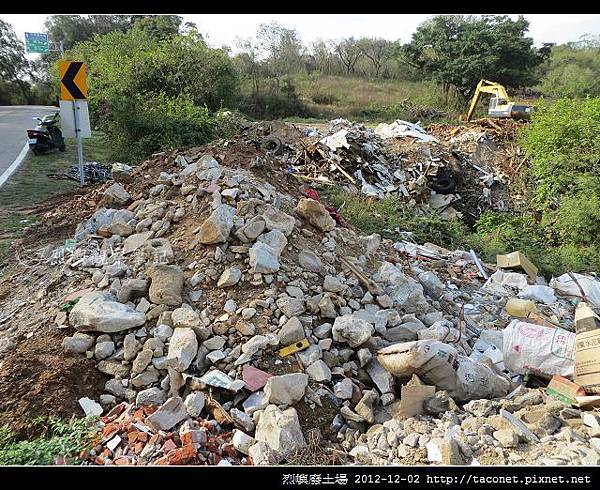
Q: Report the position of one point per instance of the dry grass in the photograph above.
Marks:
(363, 99)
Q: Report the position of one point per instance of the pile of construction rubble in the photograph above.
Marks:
(455, 174)
(229, 313)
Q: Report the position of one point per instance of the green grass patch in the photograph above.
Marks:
(31, 184)
(59, 439)
(391, 216)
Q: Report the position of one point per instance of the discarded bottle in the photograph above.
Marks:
(520, 308)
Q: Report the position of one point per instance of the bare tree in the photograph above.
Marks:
(349, 52)
(283, 47)
(375, 50)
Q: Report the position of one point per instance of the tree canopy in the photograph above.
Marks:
(458, 51)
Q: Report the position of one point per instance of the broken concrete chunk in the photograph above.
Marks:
(166, 285)
(278, 220)
(280, 430)
(194, 403)
(101, 312)
(286, 389)
(291, 332)
(315, 214)
(351, 330)
(183, 347)
(78, 343)
(263, 259)
(168, 415)
(217, 227)
(229, 277)
(133, 242)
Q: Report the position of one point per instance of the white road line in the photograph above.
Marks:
(9, 171)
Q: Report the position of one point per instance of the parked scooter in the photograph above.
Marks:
(46, 136)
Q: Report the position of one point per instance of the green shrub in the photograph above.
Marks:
(150, 93)
(562, 142)
(141, 125)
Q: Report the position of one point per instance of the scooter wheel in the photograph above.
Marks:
(35, 152)
(62, 148)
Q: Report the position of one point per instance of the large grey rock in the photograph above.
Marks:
(352, 330)
(316, 214)
(104, 349)
(101, 312)
(263, 259)
(151, 396)
(141, 362)
(319, 371)
(291, 306)
(310, 261)
(431, 284)
(404, 291)
(131, 289)
(286, 389)
(382, 379)
(168, 415)
(115, 196)
(183, 348)
(217, 227)
(229, 277)
(185, 318)
(131, 346)
(280, 430)
(133, 242)
(194, 403)
(166, 285)
(291, 332)
(333, 284)
(343, 390)
(274, 239)
(278, 220)
(78, 343)
(252, 229)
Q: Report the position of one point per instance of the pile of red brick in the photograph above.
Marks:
(127, 440)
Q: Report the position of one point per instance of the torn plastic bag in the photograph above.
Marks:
(534, 348)
(441, 365)
(565, 285)
(541, 294)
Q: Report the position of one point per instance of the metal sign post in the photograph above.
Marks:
(77, 119)
(73, 90)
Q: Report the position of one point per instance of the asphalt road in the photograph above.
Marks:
(14, 122)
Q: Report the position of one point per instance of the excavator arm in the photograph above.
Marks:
(485, 86)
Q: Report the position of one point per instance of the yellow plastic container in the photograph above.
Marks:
(520, 307)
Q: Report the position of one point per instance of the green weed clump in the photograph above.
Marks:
(60, 439)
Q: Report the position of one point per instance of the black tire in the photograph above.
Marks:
(272, 145)
(444, 184)
(35, 152)
(62, 147)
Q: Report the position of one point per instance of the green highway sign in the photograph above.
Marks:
(36, 42)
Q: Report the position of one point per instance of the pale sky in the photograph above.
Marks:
(221, 29)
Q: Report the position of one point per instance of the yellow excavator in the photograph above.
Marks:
(500, 103)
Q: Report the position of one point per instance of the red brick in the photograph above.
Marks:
(182, 455)
(169, 445)
(162, 461)
(110, 429)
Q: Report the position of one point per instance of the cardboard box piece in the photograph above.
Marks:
(564, 390)
(585, 318)
(587, 360)
(516, 260)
